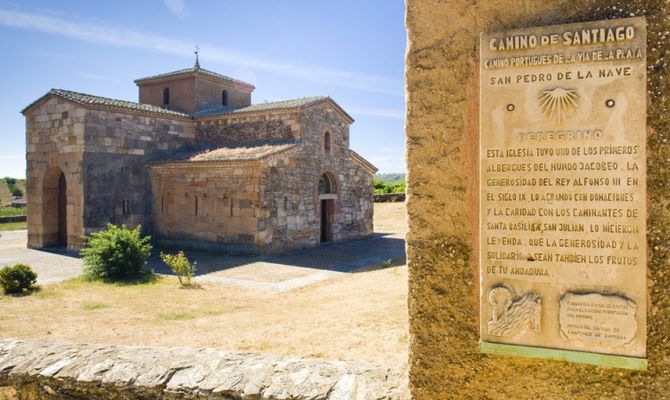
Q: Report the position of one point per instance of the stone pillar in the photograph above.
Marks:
(442, 75)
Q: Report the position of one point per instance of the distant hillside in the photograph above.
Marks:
(393, 177)
(5, 194)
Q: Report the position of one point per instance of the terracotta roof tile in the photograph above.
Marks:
(274, 105)
(87, 99)
(242, 152)
(193, 70)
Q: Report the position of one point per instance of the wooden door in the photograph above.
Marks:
(327, 211)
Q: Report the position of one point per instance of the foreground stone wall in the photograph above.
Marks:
(62, 370)
(442, 75)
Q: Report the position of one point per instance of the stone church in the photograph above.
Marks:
(197, 165)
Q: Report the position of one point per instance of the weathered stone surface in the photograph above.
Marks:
(562, 184)
(265, 202)
(64, 370)
(442, 75)
(595, 319)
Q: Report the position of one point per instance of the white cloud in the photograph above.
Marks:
(178, 7)
(376, 112)
(99, 33)
(99, 77)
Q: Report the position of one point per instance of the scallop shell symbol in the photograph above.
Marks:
(558, 103)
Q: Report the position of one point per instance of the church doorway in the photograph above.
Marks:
(62, 211)
(54, 208)
(327, 196)
(327, 221)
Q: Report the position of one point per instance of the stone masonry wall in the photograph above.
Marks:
(117, 148)
(442, 75)
(291, 183)
(182, 94)
(227, 205)
(55, 144)
(249, 128)
(208, 94)
(31, 370)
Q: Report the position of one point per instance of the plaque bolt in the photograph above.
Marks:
(510, 107)
(610, 103)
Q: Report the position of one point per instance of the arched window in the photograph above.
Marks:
(326, 144)
(166, 96)
(326, 185)
(224, 98)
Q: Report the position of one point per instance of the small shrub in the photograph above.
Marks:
(10, 181)
(16, 192)
(387, 263)
(17, 279)
(181, 267)
(381, 187)
(116, 253)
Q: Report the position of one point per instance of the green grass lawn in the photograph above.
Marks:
(12, 211)
(13, 226)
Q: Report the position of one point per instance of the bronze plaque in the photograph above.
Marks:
(563, 187)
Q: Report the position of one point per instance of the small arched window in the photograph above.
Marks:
(326, 185)
(224, 98)
(326, 144)
(166, 96)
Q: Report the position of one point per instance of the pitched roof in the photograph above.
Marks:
(270, 106)
(90, 100)
(193, 71)
(240, 152)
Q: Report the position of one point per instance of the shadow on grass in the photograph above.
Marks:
(191, 286)
(145, 278)
(23, 292)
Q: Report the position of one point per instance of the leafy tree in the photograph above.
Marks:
(16, 192)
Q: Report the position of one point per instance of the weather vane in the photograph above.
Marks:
(197, 62)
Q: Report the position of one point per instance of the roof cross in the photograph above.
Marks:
(197, 62)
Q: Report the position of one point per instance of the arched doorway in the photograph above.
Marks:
(327, 206)
(54, 208)
(62, 210)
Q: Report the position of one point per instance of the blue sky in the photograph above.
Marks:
(350, 50)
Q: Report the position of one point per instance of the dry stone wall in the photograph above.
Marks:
(31, 370)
